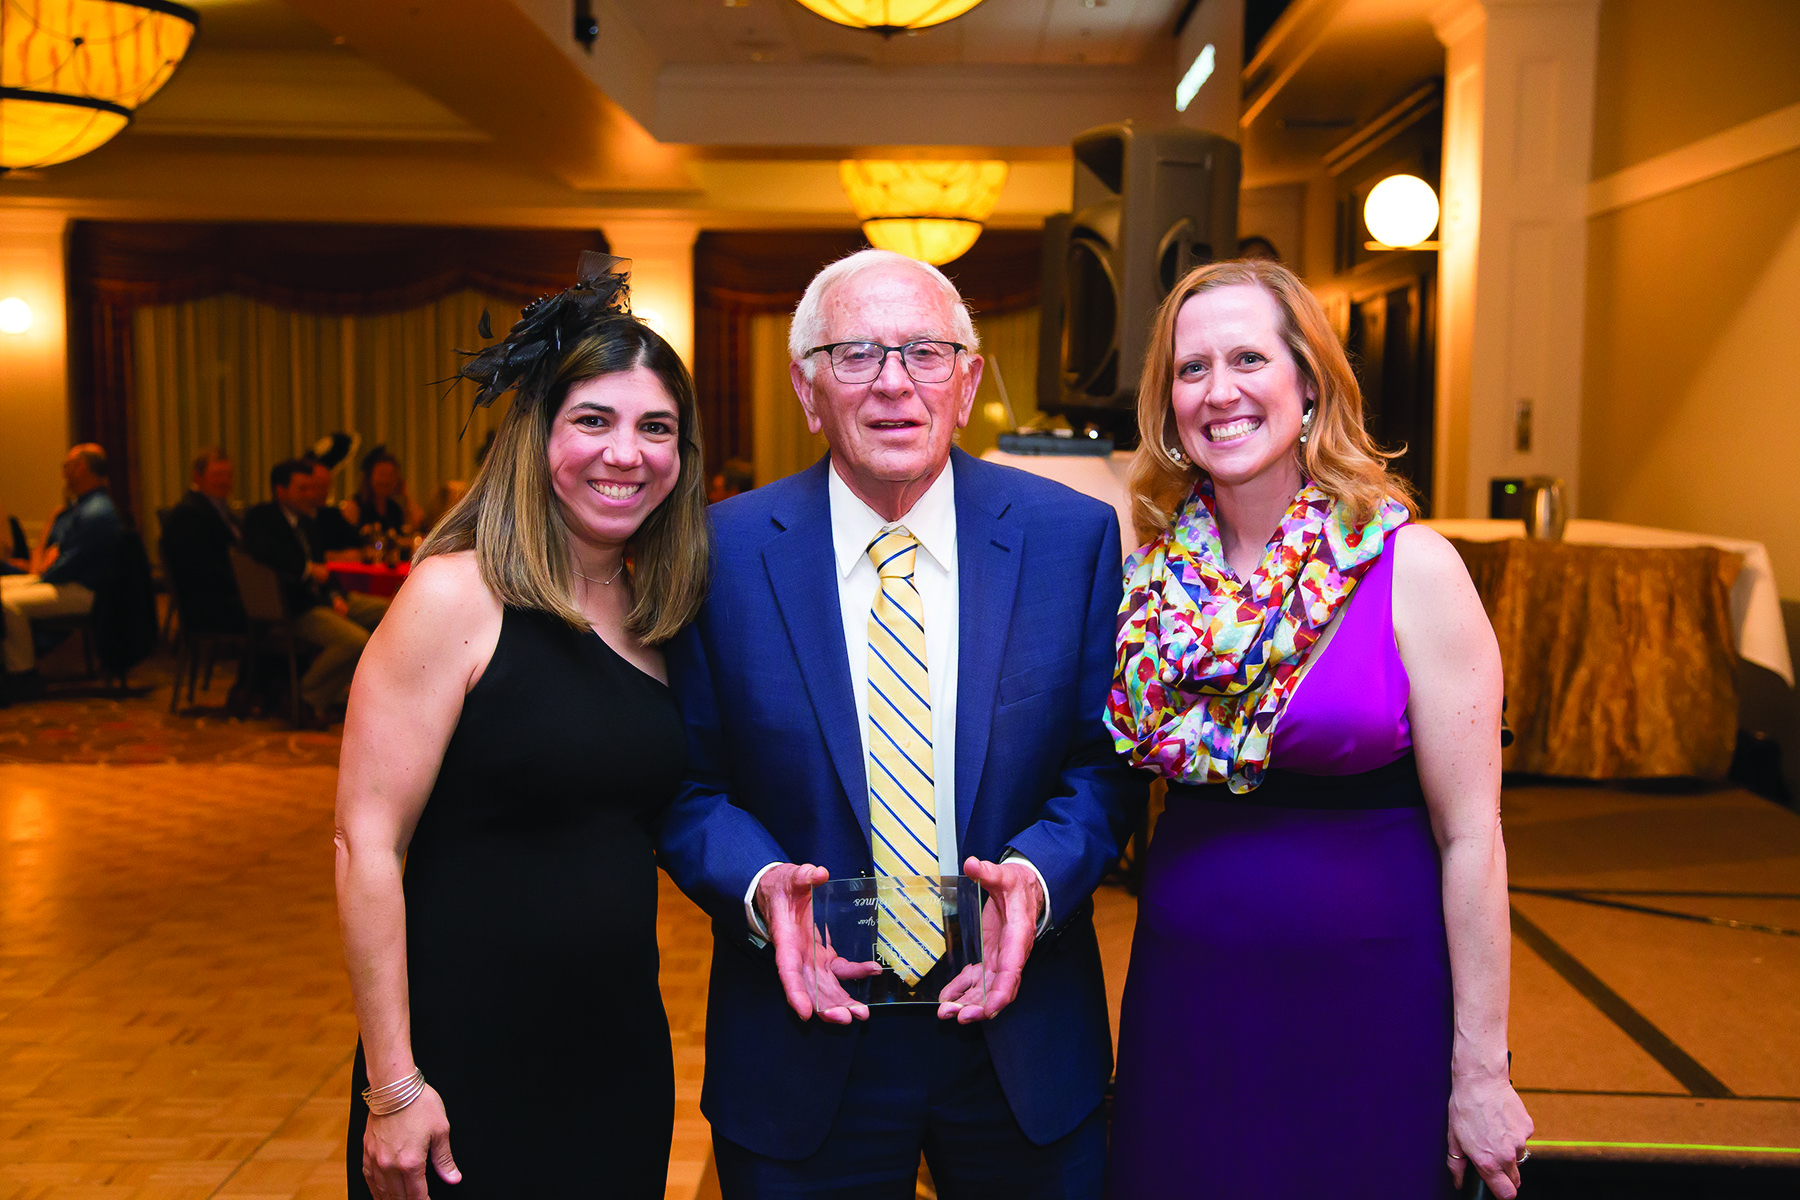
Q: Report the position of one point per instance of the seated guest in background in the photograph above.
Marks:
(197, 537)
(339, 540)
(509, 739)
(737, 478)
(1317, 999)
(381, 499)
(281, 535)
(442, 501)
(70, 566)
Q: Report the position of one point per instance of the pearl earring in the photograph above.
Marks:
(1305, 424)
(1175, 455)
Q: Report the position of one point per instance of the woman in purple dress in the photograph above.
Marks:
(1318, 987)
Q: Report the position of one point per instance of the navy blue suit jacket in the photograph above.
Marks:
(776, 774)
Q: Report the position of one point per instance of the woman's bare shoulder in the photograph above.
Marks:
(1425, 562)
(445, 600)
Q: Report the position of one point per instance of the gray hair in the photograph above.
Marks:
(808, 326)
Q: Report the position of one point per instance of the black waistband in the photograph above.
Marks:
(1393, 786)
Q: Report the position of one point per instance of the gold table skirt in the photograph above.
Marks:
(1619, 661)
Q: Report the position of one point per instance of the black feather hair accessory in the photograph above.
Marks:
(524, 360)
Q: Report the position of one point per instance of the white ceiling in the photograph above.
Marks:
(1015, 32)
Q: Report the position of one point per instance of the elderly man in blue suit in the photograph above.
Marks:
(902, 669)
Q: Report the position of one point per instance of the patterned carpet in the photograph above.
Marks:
(79, 721)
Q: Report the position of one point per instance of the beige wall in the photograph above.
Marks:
(34, 420)
(1691, 396)
(1672, 71)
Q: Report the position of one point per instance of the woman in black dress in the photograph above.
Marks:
(509, 735)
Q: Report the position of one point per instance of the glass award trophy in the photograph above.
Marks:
(875, 941)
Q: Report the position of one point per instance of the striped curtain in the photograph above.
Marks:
(266, 382)
(783, 445)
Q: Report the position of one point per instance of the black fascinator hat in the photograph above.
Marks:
(525, 360)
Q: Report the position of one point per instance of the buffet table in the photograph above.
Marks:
(1620, 643)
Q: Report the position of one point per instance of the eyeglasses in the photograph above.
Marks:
(861, 362)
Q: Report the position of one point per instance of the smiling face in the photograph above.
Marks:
(1237, 393)
(890, 437)
(614, 455)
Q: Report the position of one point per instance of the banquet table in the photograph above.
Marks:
(1620, 643)
(377, 579)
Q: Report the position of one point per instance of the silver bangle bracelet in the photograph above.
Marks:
(391, 1098)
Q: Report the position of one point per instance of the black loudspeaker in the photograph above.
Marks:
(1149, 206)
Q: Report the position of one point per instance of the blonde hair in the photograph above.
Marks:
(514, 523)
(1338, 455)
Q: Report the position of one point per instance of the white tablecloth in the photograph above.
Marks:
(1756, 626)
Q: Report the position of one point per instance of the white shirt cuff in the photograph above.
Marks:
(759, 932)
(1012, 856)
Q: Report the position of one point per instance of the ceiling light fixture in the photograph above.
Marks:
(1401, 211)
(73, 71)
(931, 211)
(888, 17)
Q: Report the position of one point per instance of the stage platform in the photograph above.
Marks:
(1656, 988)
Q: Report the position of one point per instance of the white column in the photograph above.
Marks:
(662, 274)
(34, 386)
(1518, 129)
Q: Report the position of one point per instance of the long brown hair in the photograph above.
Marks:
(515, 525)
(1339, 455)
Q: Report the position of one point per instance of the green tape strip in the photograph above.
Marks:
(1669, 1146)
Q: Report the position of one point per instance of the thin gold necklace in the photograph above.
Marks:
(604, 582)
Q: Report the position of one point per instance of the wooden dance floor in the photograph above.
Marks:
(175, 1022)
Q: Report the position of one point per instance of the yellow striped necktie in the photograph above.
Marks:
(902, 800)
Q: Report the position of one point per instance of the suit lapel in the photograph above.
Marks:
(802, 572)
(988, 549)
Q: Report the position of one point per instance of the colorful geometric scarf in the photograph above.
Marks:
(1205, 662)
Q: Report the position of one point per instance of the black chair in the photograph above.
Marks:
(68, 625)
(119, 631)
(164, 583)
(267, 620)
(196, 645)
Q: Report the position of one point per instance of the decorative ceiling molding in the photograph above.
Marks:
(298, 94)
(1719, 154)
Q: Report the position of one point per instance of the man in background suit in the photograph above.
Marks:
(337, 537)
(981, 751)
(197, 537)
(280, 534)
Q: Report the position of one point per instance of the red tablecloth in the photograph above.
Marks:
(373, 578)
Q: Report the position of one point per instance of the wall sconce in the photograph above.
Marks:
(1402, 212)
(15, 315)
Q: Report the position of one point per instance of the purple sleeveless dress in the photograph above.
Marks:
(1286, 1026)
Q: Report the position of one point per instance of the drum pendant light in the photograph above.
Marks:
(888, 17)
(931, 211)
(73, 71)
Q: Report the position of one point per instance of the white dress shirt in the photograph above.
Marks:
(932, 522)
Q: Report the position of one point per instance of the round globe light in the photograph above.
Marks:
(1402, 210)
(15, 315)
